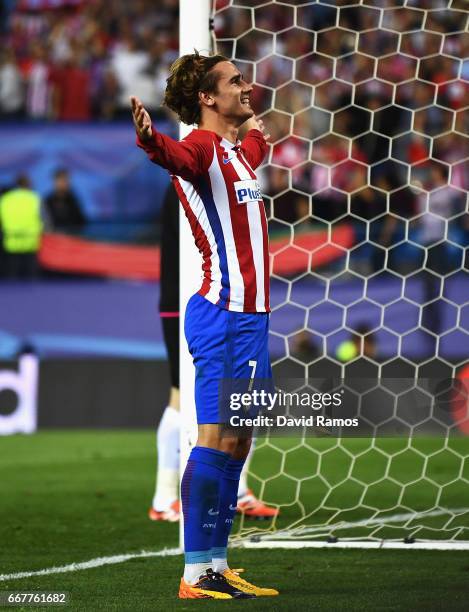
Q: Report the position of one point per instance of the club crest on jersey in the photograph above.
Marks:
(247, 191)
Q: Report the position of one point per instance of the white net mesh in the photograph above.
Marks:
(366, 190)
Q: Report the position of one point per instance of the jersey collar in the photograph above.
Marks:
(226, 144)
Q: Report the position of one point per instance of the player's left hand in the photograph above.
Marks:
(257, 124)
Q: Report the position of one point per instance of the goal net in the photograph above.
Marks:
(366, 192)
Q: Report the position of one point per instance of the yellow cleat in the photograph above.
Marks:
(187, 591)
(212, 585)
(246, 587)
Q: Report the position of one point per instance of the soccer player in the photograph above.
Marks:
(226, 323)
(165, 504)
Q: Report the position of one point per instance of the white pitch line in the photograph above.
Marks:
(167, 552)
(391, 518)
(377, 545)
(98, 562)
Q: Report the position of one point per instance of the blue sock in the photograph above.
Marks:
(227, 510)
(200, 491)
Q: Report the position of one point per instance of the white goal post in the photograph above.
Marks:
(359, 493)
(194, 33)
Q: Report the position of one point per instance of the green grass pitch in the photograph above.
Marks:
(70, 497)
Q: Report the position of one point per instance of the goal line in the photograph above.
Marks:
(381, 545)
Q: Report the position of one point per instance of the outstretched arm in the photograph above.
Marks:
(142, 120)
(185, 159)
(254, 144)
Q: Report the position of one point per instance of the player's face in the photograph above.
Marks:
(232, 96)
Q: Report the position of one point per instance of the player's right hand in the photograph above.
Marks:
(257, 124)
(141, 118)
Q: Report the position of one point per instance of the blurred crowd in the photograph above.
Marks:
(369, 111)
(395, 102)
(81, 60)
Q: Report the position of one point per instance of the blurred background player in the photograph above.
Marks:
(62, 205)
(165, 504)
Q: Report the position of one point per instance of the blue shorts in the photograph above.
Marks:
(222, 343)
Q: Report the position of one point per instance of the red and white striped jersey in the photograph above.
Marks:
(219, 192)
